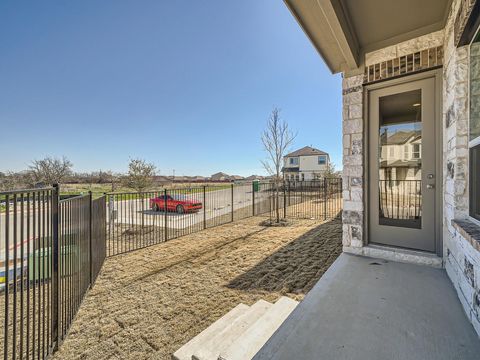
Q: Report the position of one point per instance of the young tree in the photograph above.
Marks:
(50, 170)
(330, 171)
(140, 175)
(276, 138)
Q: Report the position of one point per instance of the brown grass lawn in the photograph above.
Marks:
(147, 303)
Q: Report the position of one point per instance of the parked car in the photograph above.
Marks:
(178, 204)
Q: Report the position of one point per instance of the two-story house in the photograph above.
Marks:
(305, 164)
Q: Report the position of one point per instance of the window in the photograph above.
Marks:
(392, 152)
(474, 129)
(405, 152)
(416, 151)
(322, 160)
(294, 161)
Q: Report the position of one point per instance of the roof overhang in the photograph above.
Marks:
(290, 169)
(342, 31)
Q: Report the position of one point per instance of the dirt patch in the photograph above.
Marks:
(147, 303)
(273, 222)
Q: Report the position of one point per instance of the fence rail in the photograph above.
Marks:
(400, 200)
(46, 247)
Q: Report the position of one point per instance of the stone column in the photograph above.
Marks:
(455, 136)
(353, 163)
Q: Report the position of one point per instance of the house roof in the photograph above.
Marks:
(399, 137)
(290, 169)
(306, 151)
(255, 177)
(219, 174)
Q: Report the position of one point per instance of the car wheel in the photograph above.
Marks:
(180, 209)
(155, 207)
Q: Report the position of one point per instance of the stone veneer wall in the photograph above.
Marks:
(461, 259)
(353, 204)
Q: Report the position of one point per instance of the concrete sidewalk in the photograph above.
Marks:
(364, 308)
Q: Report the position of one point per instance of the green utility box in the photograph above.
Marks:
(43, 262)
(256, 185)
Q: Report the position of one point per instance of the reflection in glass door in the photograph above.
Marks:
(402, 164)
(400, 159)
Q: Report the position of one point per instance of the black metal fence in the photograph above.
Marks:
(316, 199)
(137, 220)
(47, 265)
(52, 250)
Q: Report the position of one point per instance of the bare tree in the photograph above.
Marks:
(140, 175)
(276, 138)
(50, 170)
(10, 181)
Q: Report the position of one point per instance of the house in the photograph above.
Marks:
(254, 177)
(199, 178)
(305, 164)
(411, 184)
(220, 176)
(163, 180)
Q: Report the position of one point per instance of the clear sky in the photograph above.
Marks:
(187, 85)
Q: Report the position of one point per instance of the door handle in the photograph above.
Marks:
(430, 186)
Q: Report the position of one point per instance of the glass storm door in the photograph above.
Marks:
(402, 165)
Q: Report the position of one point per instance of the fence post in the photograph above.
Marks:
(56, 333)
(253, 198)
(232, 202)
(165, 213)
(90, 228)
(270, 198)
(204, 207)
(325, 184)
(289, 201)
(284, 200)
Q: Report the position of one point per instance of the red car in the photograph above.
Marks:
(177, 204)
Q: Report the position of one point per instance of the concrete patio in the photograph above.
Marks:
(364, 308)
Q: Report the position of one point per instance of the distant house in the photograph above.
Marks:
(220, 176)
(183, 179)
(305, 164)
(160, 179)
(199, 178)
(254, 177)
(236, 177)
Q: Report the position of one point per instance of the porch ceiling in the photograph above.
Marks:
(344, 30)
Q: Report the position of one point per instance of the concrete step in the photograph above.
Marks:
(187, 350)
(246, 346)
(211, 349)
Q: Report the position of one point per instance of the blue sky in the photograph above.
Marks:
(187, 85)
